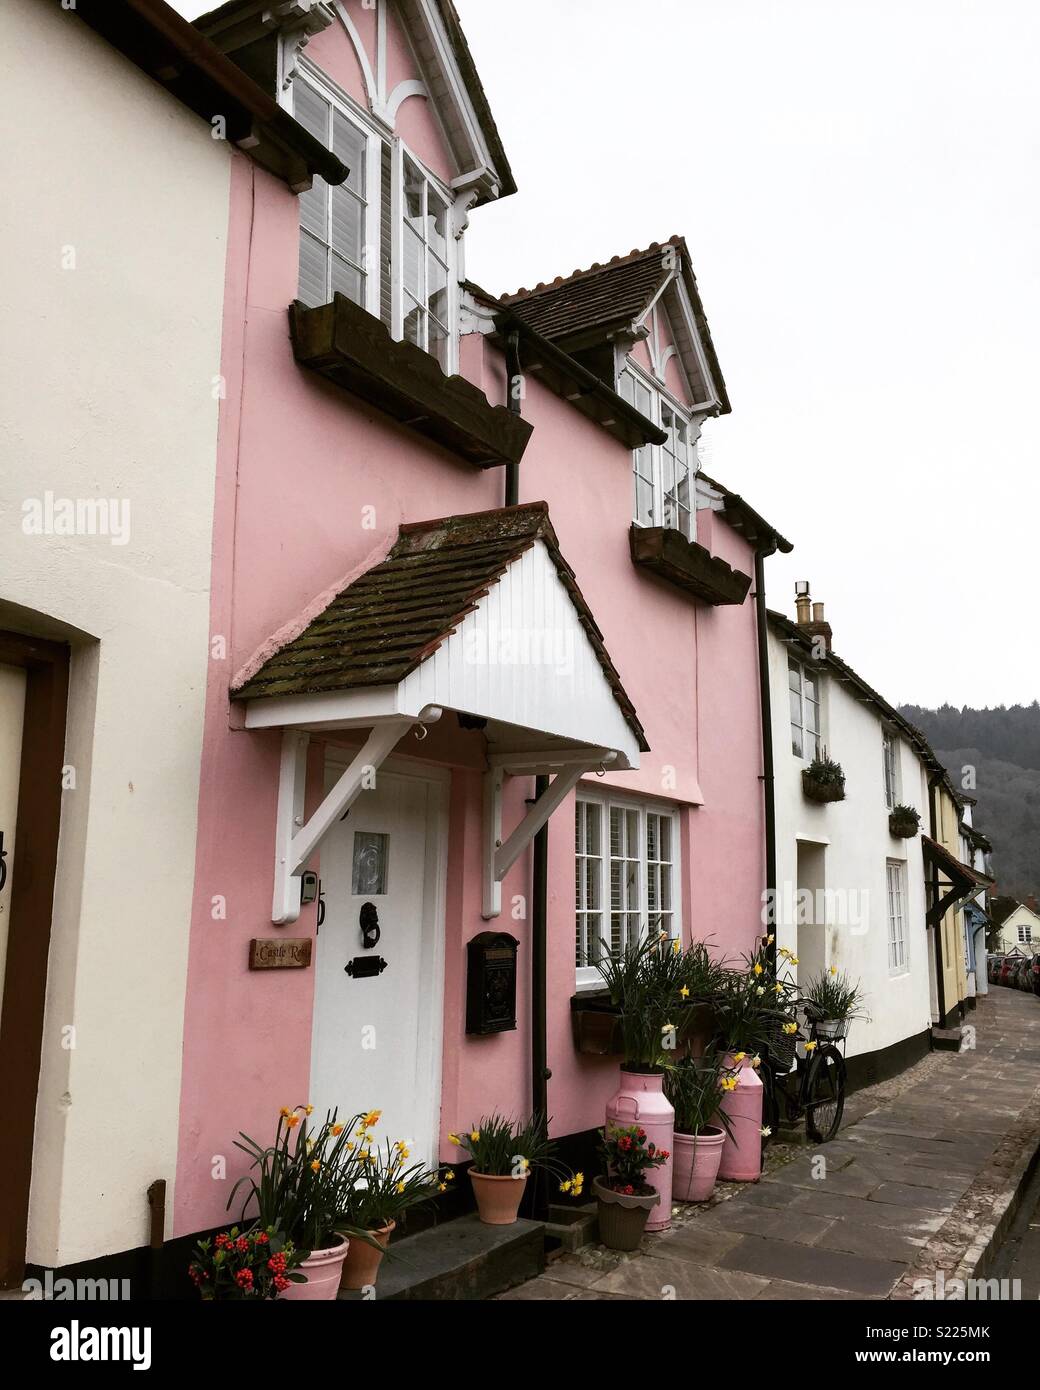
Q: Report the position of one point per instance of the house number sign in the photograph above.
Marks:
(280, 953)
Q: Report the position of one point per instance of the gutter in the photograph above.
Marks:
(768, 773)
(180, 58)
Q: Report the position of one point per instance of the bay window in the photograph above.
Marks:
(425, 240)
(662, 474)
(626, 877)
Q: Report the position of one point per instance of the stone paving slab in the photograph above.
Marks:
(923, 1162)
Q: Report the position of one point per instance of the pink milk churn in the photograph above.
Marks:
(640, 1100)
(742, 1151)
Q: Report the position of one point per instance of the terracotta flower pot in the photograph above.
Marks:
(361, 1267)
(622, 1219)
(323, 1269)
(696, 1165)
(498, 1197)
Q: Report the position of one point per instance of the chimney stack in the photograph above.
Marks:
(809, 615)
(1031, 902)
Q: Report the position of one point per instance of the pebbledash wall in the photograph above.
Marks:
(844, 848)
(299, 462)
(113, 305)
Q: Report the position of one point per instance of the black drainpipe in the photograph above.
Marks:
(768, 778)
(540, 1072)
(537, 1204)
(513, 379)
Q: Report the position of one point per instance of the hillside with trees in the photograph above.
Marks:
(1003, 746)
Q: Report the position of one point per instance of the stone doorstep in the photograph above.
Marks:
(573, 1227)
(460, 1260)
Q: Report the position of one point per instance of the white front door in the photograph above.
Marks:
(376, 1040)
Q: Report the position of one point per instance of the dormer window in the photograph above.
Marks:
(662, 474)
(383, 238)
(334, 222)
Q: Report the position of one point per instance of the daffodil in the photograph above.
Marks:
(292, 1121)
(770, 940)
(760, 989)
(474, 1136)
(566, 1185)
(579, 1179)
(810, 1047)
(442, 1187)
(757, 969)
(667, 1028)
(779, 989)
(834, 970)
(285, 1112)
(684, 993)
(399, 1188)
(794, 960)
(315, 1165)
(790, 1028)
(351, 1146)
(450, 1175)
(454, 1139)
(336, 1130)
(739, 1056)
(403, 1149)
(729, 1083)
(372, 1118)
(308, 1109)
(676, 946)
(765, 1131)
(310, 1145)
(756, 1062)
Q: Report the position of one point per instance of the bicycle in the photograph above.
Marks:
(820, 1094)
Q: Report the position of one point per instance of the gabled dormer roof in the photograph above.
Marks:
(249, 32)
(611, 302)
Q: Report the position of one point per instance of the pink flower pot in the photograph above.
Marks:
(498, 1197)
(640, 1100)
(323, 1269)
(361, 1267)
(696, 1164)
(742, 1149)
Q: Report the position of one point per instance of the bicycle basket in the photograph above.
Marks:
(781, 1046)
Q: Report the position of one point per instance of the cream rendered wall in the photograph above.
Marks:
(1007, 937)
(856, 846)
(107, 392)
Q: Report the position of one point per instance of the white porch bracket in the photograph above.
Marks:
(297, 840)
(499, 855)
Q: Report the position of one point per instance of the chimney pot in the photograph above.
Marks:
(801, 602)
(817, 612)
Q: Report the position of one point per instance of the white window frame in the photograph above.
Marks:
(793, 664)
(890, 767)
(660, 401)
(1025, 934)
(373, 249)
(399, 152)
(896, 905)
(340, 101)
(592, 800)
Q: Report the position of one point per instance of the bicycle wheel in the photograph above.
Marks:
(824, 1094)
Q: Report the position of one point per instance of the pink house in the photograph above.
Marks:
(486, 642)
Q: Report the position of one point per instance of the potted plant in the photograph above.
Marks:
(823, 780)
(625, 1197)
(836, 1000)
(695, 1088)
(646, 982)
(259, 1264)
(503, 1152)
(904, 822)
(296, 1189)
(377, 1190)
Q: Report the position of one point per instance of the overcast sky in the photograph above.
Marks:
(858, 184)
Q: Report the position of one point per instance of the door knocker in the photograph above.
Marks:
(369, 923)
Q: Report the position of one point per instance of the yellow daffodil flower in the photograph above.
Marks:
(729, 1083)
(779, 989)
(794, 960)
(351, 1146)
(336, 1130)
(684, 993)
(474, 1135)
(579, 1179)
(315, 1166)
(761, 989)
(442, 1187)
(790, 1028)
(308, 1109)
(454, 1139)
(834, 970)
(285, 1112)
(676, 946)
(372, 1118)
(765, 1131)
(810, 1047)
(450, 1175)
(770, 940)
(739, 1056)
(399, 1188)
(758, 968)
(756, 1062)
(292, 1121)
(566, 1185)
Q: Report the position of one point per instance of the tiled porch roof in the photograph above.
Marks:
(395, 615)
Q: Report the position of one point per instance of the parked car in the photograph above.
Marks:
(993, 964)
(1005, 970)
(1034, 974)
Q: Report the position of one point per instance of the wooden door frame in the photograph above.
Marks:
(33, 865)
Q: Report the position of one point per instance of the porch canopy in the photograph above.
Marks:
(476, 613)
(963, 884)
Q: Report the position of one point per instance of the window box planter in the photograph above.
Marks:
(691, 567)
(352, 349)
(596, 1026)
(823, 781)
(904, 822)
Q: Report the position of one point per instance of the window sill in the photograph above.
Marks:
(688, 565)
(352, 348)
